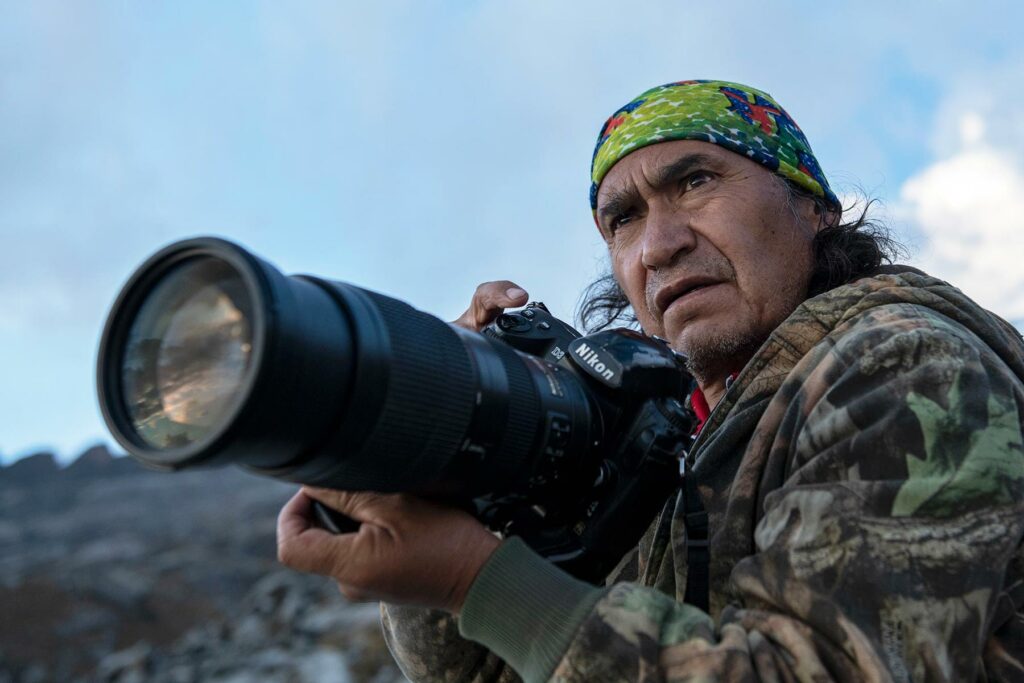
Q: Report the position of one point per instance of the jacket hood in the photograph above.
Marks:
(820, 316)
(905, 285)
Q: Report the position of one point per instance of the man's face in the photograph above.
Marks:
(708, 247)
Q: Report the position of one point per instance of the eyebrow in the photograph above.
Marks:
(617, 200)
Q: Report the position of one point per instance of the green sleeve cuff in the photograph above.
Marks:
(525, 609)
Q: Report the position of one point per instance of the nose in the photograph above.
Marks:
(667, 234)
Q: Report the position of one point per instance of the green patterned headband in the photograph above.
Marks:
(737, 117)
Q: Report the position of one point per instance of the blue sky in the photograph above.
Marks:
(419, 148)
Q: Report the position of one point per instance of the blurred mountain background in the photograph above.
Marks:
(112, 572)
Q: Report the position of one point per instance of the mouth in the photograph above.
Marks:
(681, 289)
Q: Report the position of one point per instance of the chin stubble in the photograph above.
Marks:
(720, 356)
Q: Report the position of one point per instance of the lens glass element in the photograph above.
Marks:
(188, 353)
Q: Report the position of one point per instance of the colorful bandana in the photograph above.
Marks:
(737, 117)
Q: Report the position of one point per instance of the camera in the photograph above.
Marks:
(211, 356)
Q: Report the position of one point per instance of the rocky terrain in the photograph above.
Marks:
(111, 572)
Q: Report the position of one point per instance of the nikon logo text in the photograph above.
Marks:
(593, 359)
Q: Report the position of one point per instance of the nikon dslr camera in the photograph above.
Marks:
(210, 356)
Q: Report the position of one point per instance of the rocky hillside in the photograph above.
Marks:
(110, 572)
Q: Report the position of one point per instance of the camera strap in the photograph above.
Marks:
(698, 556)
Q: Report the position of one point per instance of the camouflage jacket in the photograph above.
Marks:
(864, 479)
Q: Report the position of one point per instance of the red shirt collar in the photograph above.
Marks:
(700, 408)
(700, 405)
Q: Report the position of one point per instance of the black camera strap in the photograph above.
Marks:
(698, 556)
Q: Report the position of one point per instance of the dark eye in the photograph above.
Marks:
(696, 179)
(619, 220)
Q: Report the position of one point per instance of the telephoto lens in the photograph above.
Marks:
(211, 356)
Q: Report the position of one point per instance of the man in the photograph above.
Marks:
(862, 467)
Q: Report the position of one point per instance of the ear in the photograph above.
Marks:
(815, 212)
(808, 209)
(828, 215)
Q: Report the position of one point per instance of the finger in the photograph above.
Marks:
(294, 517)
(361, 506)
(316, 551)
(302, 546)
(489, 300)
(353, 594)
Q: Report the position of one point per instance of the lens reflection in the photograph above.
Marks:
(187, 353)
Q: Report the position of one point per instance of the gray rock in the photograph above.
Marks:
(274, 658)
(86, 620)
(123, 587)
(196, 641)
(116, 666)
(131, 676)
(35, 673)
(181, 673)
(115, 556)
(250, 632)
(121, 548)
(31, 470)
(10, 533)
(250, 677)
(324, 666)
(338, 617)
(93, 462)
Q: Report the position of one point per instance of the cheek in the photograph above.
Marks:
(791, 257)
(775, 276)
(624, 268)
(629, 272)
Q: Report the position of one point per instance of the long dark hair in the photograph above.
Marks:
(843, 251)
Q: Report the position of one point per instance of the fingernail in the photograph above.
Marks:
(515, 292)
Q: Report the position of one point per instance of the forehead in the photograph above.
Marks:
(646, 161)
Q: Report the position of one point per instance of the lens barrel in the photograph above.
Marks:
(211, 356)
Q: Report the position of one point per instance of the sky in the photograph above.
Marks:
(419, 148)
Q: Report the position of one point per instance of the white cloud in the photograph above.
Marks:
(969, 207)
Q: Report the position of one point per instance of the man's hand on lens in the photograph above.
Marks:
(407, 550)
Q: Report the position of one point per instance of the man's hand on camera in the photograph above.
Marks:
(407, 550)
(489, 300)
